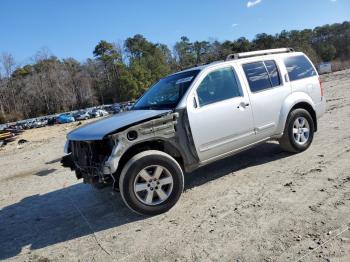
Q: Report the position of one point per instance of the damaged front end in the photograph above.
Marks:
(97, 161)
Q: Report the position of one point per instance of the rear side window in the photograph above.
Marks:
(218, 85)
(298, 67)
(273, 73)
(262, 75)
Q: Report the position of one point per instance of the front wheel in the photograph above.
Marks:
(151, 182)
(299, 131)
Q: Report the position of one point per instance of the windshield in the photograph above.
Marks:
(167, 93)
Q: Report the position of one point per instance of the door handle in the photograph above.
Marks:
(243, 104)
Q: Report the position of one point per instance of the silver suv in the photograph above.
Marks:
(195, 117)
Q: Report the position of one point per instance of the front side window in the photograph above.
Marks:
(166, 93)
(262, 75)
(218, 85)
(299, 67)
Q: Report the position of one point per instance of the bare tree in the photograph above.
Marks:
(9, 65)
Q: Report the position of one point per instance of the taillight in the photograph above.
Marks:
(321, 86)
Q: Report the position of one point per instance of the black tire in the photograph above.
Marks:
(131, 172)
(288, 141)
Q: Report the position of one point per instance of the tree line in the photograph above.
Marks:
(122, 72)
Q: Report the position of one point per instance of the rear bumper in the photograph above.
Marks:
(320, 108)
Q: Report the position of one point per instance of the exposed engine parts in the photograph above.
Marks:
(97, 161)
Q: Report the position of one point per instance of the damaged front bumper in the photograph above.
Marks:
(87, 159)
(108, 167)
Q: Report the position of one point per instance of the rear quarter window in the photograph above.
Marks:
(299, 67)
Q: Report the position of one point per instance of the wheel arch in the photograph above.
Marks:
(154, 144)
(309, 108)
(294, 101)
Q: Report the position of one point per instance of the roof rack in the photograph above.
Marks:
(259, 53)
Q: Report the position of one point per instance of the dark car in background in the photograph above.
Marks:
(82, 115)
(114, 109)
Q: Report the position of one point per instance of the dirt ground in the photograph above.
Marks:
(260, 205)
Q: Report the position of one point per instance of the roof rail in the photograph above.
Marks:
(259, 53)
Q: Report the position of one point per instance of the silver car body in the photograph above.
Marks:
(205, 134)
(227, 126)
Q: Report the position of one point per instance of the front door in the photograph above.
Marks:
(220, 114)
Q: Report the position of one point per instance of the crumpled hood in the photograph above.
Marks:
(97, 130)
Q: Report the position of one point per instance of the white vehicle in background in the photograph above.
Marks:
(98, 113)
(195, 117)
(103, 112)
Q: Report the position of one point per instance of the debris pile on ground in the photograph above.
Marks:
(8, 135)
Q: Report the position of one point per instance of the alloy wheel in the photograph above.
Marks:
(153, 185)
(301, 130)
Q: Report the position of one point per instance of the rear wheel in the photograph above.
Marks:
(151, 182)
(299, 131)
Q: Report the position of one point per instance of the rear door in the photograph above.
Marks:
(267, 90)
(219, 113)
